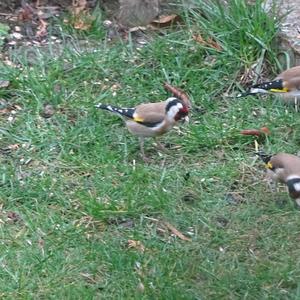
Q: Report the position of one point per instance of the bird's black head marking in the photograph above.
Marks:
(183, 110)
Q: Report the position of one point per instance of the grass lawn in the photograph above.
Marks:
(83, 217)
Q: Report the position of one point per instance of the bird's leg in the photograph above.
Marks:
(160, 146)
(297, 203)
(144, 157)
(296, 104)
(272, 185)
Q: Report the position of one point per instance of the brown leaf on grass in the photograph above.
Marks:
(266, 130)
(165, 20)
(82, 20)
(210, 42)
(83, 23)
(78, 6)
(177, 232)
(179, 93)
(26, 13)
(136, 245)
(42, 28)
(257, 132)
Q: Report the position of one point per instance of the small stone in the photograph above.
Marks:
(141, 287)
(17, 35)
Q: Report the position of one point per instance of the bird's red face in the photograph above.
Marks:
(182, 113)
(176, 110)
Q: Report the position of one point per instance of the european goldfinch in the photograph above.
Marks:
(284, 168)
(150, 119)
(286, 85)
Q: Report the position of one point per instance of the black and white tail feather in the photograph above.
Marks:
(123, 112)
(264, 88)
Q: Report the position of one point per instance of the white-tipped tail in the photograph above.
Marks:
(98, 105)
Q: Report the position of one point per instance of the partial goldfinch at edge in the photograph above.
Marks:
(150, 119)
(286, 84)
(284, 168)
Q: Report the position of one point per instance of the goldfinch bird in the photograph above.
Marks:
(286, 84)
(150, 119)
(284, 168)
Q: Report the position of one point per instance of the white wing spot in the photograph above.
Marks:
(109, 107)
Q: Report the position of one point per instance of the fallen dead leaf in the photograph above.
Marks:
(136, 245)
(210, 42)
(26, 13)
(78, 6)
(42, 28)
(81, 18)
(266, 130)
(179, 93)
(83, 23)
(257, 132)
(176, 232)
(165, 20)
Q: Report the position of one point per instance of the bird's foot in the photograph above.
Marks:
(161, 147)
(297, 203)
(146, 159)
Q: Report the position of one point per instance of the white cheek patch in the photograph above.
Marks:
(174, 110)
(297, 186)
